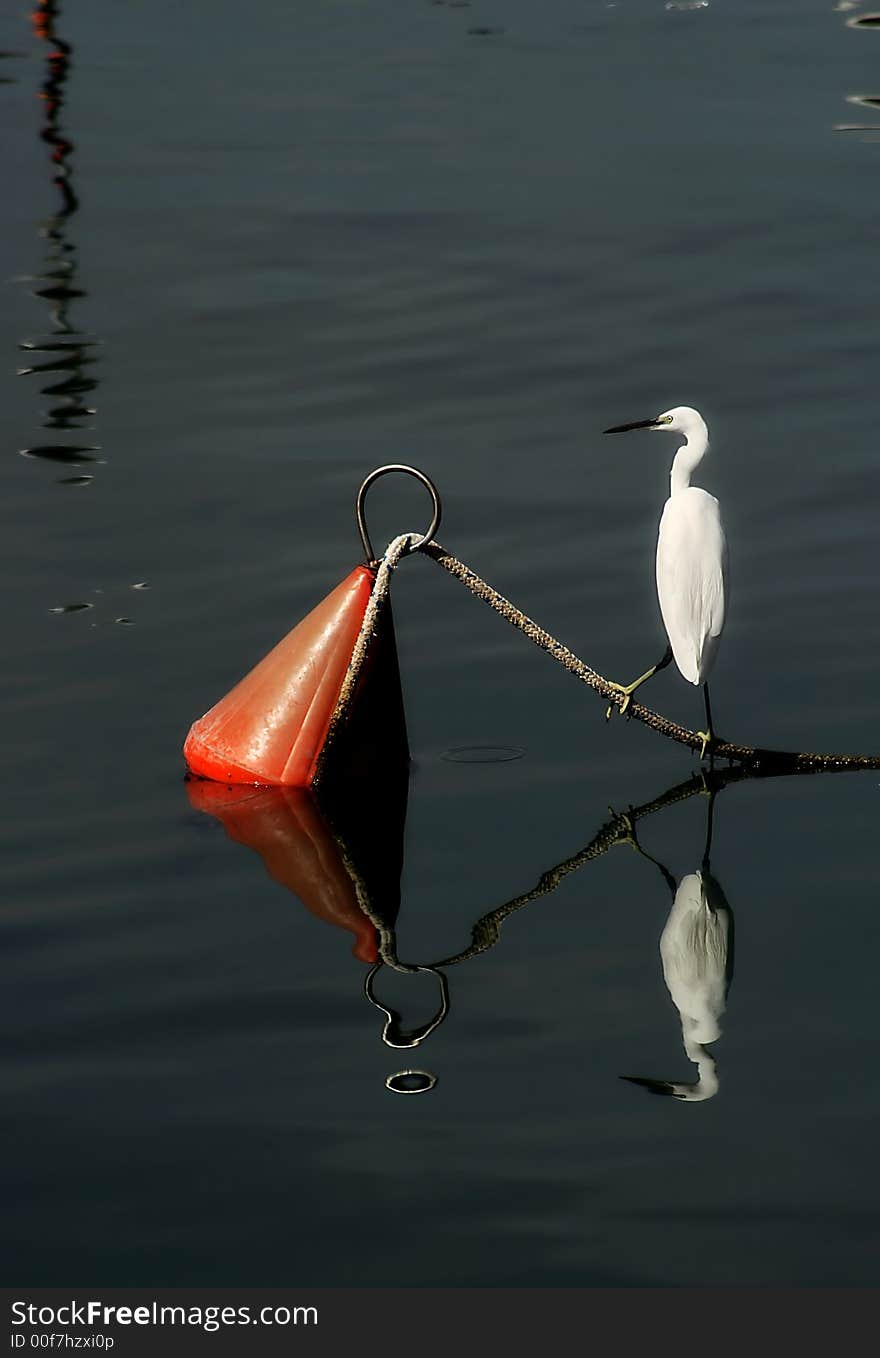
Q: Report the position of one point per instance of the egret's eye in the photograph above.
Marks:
(663, 419)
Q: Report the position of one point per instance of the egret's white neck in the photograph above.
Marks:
(688, 457)
(707, 1085)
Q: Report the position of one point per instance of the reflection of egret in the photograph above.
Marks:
(696, 949)
(691, 562)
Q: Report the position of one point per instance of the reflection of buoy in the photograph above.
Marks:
(284, 826)
(272, 726)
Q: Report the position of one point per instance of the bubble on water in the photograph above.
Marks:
(483, 754)
(61, 452)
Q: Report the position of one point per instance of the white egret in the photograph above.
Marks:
(692, 585)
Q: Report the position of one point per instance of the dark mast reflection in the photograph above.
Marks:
(69, 350)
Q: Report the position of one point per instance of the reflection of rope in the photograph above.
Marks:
(487, 930)
(757, 759)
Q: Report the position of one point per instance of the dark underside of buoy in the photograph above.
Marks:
(370, 735)
(362, 779)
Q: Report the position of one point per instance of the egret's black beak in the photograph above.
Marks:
(653, 1086)
(636, 424)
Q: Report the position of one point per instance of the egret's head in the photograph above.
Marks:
(697, 1091)
(679, 420)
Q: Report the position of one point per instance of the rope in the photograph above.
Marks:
(756, 758)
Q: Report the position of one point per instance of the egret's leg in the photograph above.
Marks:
(707, 736)
(627, 835)
(710, 812)
(629, 689)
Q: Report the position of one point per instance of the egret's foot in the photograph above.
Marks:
(709, 741)
(627, 690)
(626, 829)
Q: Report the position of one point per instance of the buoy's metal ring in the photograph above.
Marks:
(393, 1082)
(409, 471)
(393, 1034)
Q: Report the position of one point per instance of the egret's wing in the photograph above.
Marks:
(717, 902)
(692, 575)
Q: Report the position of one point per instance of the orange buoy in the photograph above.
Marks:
(325, 706)
(271, 728)
(284, 826)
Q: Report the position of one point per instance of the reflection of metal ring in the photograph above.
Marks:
(410, 471)
(392, 1032)
(426, 1080)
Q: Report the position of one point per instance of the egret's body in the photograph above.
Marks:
(692, 579)
(692, 572)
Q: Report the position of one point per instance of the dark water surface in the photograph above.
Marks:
(284, 244)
